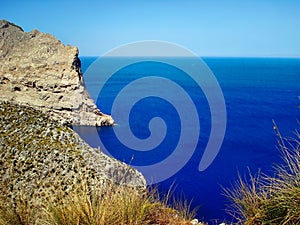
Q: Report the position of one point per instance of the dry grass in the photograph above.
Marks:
(18, 213)
(111, 205)
(270, 200)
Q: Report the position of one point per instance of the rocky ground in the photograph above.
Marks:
(38, 156)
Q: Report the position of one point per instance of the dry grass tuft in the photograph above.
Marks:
(270, 200)
(113, 204)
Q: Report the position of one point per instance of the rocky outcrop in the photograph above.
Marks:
(39, 156)
(38, 70)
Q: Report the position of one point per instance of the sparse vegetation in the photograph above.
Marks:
(49, 176)
(270, 200)
(113, 205)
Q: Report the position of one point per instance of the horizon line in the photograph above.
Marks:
(203, 56)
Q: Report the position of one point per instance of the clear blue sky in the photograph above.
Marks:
(209, 28)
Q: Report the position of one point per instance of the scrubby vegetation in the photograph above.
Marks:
(113, 205)
(49, 176)
(30, 143)
(270, 200)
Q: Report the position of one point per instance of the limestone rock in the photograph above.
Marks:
(195, 222)
(36, 69)
(39, 156)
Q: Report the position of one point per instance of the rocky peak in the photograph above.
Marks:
(5, 24)
(38, 70)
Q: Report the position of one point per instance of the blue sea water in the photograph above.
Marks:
(256, 91)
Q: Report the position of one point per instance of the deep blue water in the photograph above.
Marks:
(256, 90)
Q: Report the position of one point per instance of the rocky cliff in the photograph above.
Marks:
(39, 156)
(38, 70)
(42, 90)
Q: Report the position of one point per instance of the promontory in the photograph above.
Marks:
(38, 70)
(42, 91)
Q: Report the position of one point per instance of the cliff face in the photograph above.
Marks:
(39, 156)
(38, 70)
(42, 89)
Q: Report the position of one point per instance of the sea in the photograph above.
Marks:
(256, 93)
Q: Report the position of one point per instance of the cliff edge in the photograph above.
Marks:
(37, 70)
(42, 91)
(39, 156)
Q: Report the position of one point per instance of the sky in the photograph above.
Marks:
(267, 28)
